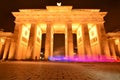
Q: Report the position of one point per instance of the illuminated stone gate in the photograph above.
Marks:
(87, 24)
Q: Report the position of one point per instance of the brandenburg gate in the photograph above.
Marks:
(87, 24)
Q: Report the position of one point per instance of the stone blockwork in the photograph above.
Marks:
(87, 24)
(59, 71)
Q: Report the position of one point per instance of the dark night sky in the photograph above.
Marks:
(111, 6)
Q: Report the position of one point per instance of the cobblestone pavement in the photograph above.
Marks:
(19, 70)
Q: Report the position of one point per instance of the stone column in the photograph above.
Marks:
(30, 51)
(69, 41)
(66, 43)
(34, 36)
(39, 42)
(102, 41)
(112, 48)
(49, 42)
(79, 43)
(84, 48)
(119, 48)
(34, 46)
(17, 38)
(24, 50)
(52, 40)
(21, 35)
(2, 43)
(12, 50)
(1, 47)
(6, 49)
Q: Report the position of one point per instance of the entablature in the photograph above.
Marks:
(59, 13)
(61, 19)
(67, 14)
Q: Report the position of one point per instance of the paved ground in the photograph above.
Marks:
(19, 70)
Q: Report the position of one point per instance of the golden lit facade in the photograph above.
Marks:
(87, 24)
(114, 44)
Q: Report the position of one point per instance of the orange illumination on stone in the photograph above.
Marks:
(117, 41)
(87, 24)
(92, 31)
(2, 40)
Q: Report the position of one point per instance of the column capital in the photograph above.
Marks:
(21, 22)
(102, 23)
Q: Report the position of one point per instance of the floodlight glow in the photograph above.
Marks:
(116, 41)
